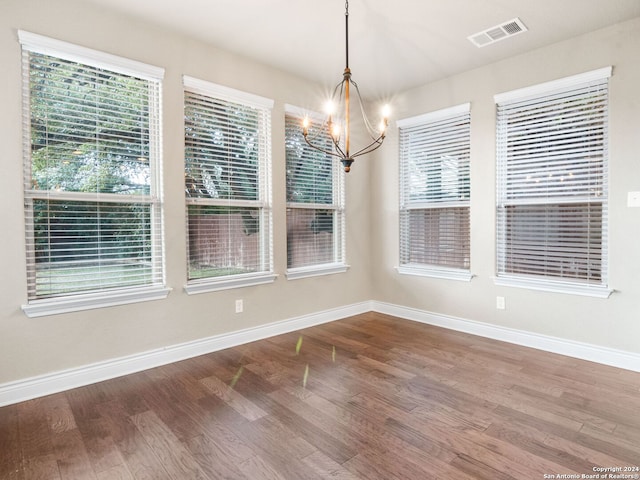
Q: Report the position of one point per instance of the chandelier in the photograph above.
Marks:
(337, 125)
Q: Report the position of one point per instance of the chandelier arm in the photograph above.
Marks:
(377, 143)
(367, 151)
(370, 130)
(339, 86)
(328, 152)
(373, 133)
(341, 153)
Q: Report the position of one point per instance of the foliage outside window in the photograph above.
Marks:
(227, 189)
(92, 154)
(552, 185)
(315, 207)
(435, 194)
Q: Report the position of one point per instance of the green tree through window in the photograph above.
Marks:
(92, 207)
(227, 157)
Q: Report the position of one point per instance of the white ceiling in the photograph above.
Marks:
(393, 45)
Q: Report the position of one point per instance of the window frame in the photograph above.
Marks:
(406, 205)
(565, 285)
(337, 205)
(263, 203)
(108, 296)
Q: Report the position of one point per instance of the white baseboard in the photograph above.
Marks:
(55, 382)
(42, 385)
(584, 351)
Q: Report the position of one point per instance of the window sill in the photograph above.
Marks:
(76, 303)
(316, 270)
(434, 272)
(554, 286)
(237, 281)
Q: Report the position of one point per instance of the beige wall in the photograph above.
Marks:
(30, 347)
(34, 346)
(614, 322)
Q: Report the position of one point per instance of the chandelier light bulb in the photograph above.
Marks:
(330, 108)
(335, 131)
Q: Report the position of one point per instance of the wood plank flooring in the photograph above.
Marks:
(369, 397)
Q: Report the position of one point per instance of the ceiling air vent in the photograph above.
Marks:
(497, 33)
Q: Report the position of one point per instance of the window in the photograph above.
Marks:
(315, 202)
(227, 187)
(435, 194)
(552, 185)
(93, 202)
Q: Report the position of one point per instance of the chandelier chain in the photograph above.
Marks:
(346, 29)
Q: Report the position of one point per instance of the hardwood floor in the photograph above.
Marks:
(369, 397)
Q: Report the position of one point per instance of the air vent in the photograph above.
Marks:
(497, 33)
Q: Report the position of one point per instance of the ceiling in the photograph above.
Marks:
(393, 45)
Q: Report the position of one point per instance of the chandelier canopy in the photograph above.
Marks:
(337, 125)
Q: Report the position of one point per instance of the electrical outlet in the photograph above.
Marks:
(239, 306)
(500, 305)
(633, 199)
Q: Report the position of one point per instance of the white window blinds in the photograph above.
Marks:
(227, 165)
(435, 193)
(552, 181)
(315, 207)
(92, 160)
